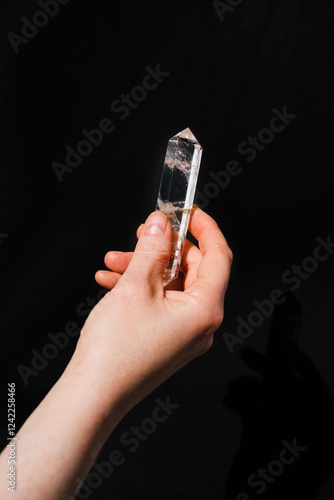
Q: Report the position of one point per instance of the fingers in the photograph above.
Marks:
(118, 261)
(151, 253)
(211, 242)
(139, 230)
(191, 259)
(207, 268)
(206, 231)
(189, 264)
(214, 269)
(107, 279)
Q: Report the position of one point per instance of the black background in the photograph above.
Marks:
(225, 77)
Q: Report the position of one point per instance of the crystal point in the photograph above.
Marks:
(187, 134)
(177, 192)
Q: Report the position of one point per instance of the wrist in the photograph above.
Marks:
(96, 396)
(117, 384)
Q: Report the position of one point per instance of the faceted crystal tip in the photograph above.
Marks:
(187, 134)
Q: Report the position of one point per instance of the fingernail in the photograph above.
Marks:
(156, 223)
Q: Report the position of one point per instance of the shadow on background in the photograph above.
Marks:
(288, 403)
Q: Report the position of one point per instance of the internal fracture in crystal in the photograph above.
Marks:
(177, 192)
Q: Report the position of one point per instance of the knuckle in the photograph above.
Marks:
(206, 344)
(229, 254)
(225, 252)
(203, 344)
(216, 319)
(154, 247)
(210, 321)
(157, 251)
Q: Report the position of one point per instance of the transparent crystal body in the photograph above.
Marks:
(177, 192)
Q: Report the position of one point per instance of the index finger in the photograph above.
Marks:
(214, 269)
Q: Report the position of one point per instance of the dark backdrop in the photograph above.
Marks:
(226, 68)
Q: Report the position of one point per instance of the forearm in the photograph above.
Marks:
(61, 439)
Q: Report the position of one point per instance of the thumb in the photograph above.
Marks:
(152, 252)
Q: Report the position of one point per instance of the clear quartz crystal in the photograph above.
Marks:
(177, 192)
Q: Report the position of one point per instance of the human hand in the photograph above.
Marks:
(139, 334)
(136, 337)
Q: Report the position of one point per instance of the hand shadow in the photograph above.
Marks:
(288, 403)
